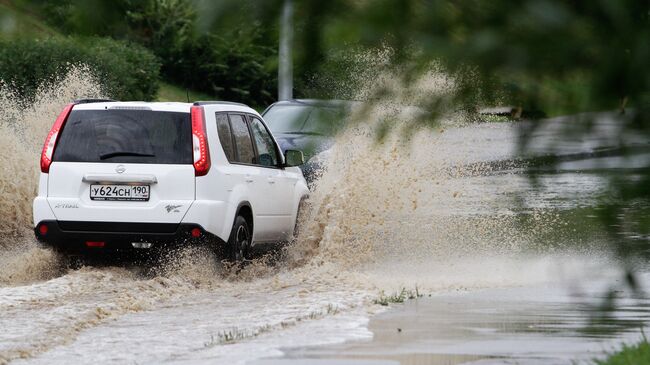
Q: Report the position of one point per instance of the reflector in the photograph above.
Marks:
(42, 229)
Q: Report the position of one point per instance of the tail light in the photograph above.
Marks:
(52, 138)
(199, 142)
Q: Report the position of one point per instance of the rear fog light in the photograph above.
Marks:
(95, 244)
(42, 229)
(196, 233)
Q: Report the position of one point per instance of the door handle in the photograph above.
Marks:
(271, 180)
(249, 179)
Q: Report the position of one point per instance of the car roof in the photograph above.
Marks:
(163, 106)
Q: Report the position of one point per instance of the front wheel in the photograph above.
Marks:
(239, 242)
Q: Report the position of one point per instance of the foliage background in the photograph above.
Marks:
(127, 71)
(236, 60)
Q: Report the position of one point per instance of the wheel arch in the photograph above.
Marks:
(301, 193)
(245, 209)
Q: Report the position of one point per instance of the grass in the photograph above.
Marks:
(234, 335)
(227, 337)
(330, 310)
(399, 297)
(629, 355)
(169, 92)
(496, 118)
(15, 22)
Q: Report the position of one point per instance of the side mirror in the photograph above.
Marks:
(293, 158)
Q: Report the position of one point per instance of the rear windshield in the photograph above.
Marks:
(126, 136)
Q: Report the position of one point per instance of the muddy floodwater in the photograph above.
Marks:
(538, 324)
(502, 272)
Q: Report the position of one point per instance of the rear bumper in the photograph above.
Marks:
(80, 236)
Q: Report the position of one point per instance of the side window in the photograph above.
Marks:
(243, 142)
(225, 136)
(265, 146)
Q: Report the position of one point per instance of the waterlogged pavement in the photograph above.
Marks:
(443, 215)
(559, 323)
(160, 320)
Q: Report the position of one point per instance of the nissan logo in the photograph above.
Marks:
(120, 169)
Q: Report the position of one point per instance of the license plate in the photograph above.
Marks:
(120, 192)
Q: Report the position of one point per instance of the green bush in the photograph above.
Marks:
(126, 71)
(235, 58)
(629, 355)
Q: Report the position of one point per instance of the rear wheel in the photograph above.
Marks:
(239, 242)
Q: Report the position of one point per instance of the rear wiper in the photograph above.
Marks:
(115, 154)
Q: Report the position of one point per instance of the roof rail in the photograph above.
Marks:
(211, 102)
(88, 101)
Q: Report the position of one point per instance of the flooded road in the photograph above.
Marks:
(448, 211)
(559, 323)
(158, 320)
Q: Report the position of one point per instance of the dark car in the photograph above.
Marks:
(308, 126)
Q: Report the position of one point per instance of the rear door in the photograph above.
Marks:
(245, 169)
(277, 203)
(123, 165)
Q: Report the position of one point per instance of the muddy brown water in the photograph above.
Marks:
(559, 323)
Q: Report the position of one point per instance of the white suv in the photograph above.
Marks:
(130, 176)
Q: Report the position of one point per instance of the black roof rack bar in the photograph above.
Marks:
(218, 102)
(88, 101)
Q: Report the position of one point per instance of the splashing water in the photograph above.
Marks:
(22, 132)
(417, 206)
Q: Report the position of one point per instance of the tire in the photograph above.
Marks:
(239, 242)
